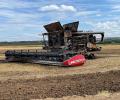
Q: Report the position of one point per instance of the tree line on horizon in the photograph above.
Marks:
(115, 40)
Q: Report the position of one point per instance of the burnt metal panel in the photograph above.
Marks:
(71, 26)
(90, 33)
(56, 26)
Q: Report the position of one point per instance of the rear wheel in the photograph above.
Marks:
(90, 56)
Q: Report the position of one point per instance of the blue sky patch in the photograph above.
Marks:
(23, 20)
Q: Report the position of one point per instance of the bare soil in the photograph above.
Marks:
(84, 84)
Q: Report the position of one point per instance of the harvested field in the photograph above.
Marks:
(25, 81)
(84, 84)
(104, 95)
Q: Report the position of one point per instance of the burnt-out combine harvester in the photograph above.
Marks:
(63, 46)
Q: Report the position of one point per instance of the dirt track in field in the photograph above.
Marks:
(84, 84)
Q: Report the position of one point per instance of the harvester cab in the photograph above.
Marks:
(55, 35)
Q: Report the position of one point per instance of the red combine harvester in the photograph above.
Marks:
(63, 46)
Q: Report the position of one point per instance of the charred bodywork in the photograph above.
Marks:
(60, 44)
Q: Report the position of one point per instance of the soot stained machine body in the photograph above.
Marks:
(64, 46)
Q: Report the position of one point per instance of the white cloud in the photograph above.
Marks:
(108, 25)
(50, 8)
(111, 28)
(62, 8)
(98, 15)
(116, 8)
(18, 17)
(3, 5)
(84, 13)
(67, 8)
(15, 4)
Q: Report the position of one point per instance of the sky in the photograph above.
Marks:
(23, 20)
